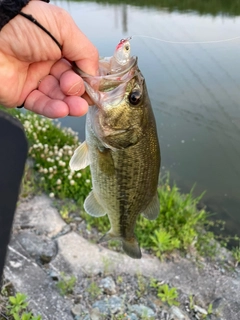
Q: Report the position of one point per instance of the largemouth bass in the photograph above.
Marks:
(121, 148)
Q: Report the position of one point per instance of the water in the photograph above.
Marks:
(194, 89)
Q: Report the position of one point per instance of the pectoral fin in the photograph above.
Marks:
(92, 207)
(153, 209)
(80, 159)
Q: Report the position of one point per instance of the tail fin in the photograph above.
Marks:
(130, 247)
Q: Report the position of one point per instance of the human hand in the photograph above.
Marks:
(32, 69)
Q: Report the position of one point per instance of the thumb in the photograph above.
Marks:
(77, 47)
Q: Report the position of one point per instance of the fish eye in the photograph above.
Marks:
(127, 47)
(135, 97)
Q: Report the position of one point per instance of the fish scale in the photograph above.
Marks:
(121, 148)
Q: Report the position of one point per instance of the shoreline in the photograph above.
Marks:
(39, 231)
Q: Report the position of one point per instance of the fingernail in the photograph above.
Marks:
(75, 89)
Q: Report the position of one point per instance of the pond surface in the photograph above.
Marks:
(194, 88)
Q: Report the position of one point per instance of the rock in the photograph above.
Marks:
(77, 310)
(178, 314)
(38, 213)
(102, 306)
(29, 278)
(216, 303)
(39, 247)
(108, 285)
(142, 310)
(115, 304)
(132, 316)
(200, 310)
(109, 306)
(94, 314)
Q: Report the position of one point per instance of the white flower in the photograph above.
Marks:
(79, 175)
(50, 169)
(70, 152)
(45, 170)
(59, 181)
(62, 163)
(72, 182)
(51, 195)
(88, 180)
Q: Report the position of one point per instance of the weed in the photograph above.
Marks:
(165, 293)
(142, 287)
(236, 255)
(162, 241)
(28, 186)
(106, 265)
(66, 284)
(119, 279)
(94, 290)
(17, 308)
(191, 302)
(66, 209)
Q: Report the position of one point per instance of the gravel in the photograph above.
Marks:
(109, 285)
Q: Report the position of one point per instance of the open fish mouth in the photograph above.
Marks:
(107, 80)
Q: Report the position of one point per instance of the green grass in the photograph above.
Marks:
(66, 284)
(180, 225)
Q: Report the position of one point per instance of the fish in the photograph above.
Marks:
(121, 147)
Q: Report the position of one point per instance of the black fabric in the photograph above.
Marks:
(9, 9)
(13, 155)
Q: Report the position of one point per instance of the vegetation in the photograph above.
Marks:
(179, 225)
(94, 290)
(164, 293)
(17, 308)
(66, 284)
(213, 7)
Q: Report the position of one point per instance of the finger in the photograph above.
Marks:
(70, 82)
(51, 88)
(39, 103)
(77, 106)
(60, 67)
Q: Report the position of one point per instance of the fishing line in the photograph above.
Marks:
(186, 42)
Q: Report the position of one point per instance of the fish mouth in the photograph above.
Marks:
(105, 86)
(104, 69)
(106, 81)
